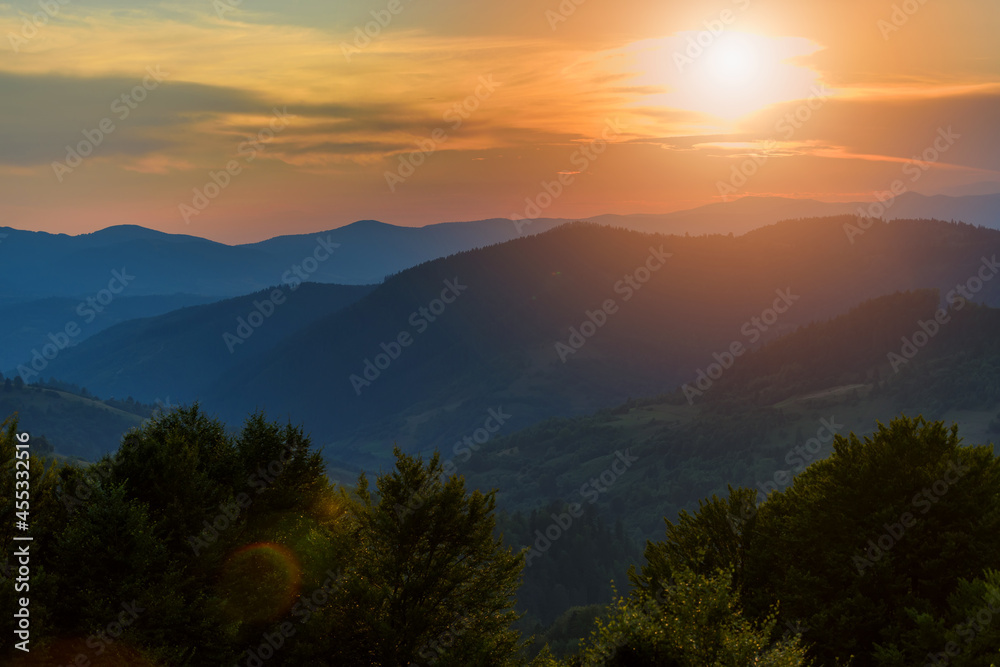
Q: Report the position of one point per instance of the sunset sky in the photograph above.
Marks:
(871, 85)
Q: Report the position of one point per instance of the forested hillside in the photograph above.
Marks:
(191, 546)
(75, 423)
(180, 353)
(773, 413)
(499, 342)
(421, 359)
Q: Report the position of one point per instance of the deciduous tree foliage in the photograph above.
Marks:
(197, 547)
(234, 549)
(719, 535)
(45, 519)
(890, 521)
(426, 581)
(696, 621)
(862, 548)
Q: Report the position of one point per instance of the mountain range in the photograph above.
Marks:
(168, 271)
(368, 250)
(533, 364)
(560, 323)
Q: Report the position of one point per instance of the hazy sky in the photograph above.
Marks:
(617, 99)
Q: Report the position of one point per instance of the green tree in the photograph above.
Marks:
(426, 582)
(117, 570)
(717, 536)
(279, 466)
(694, 622)
(886, 523)
(183, 466)
(29, 492)
(966, 635)
(864, 549)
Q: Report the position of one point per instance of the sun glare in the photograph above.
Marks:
(727, 75)
(732, 62)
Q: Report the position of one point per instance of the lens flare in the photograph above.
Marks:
(260, 581)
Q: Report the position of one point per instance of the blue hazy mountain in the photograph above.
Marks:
(164, 264)
(27, 325)
(178, 354)
(518, 337)
(338, 361)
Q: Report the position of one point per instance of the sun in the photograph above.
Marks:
(732, 61)
(726, 75)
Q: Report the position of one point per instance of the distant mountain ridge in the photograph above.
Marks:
(167, 264)
(164, 264)
(497, 345)
(433, 363)
(26, 325)
(180, 353)
(421, 359)
(748, 213)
